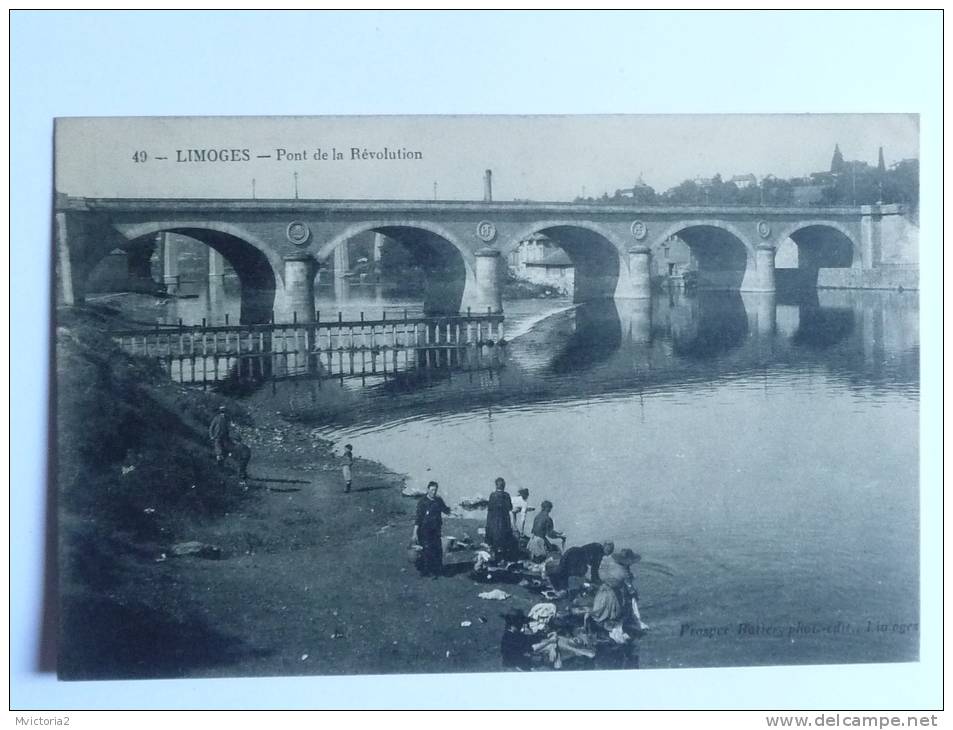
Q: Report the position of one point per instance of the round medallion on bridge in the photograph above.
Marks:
(764, 230)
(639, 230)
(298, 233)
(486, 231)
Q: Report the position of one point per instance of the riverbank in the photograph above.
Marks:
(289, 576)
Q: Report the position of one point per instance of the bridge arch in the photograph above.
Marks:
(235, 232)
(447, 264)
(723, 255)
(259, 269)
(600, 268)
(819, 244)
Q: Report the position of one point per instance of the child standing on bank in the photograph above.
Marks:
(346, 469)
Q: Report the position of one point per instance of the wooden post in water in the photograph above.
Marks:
(297, 347)
(427, 344)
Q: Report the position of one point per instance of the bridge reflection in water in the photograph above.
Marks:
(707, 325)
(643, 346)
(607, 344)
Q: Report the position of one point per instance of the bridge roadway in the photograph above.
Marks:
(277, 246)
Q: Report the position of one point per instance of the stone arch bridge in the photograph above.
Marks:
(276, 246)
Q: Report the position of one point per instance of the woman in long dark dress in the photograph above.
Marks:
(499, 522)
(426, 533)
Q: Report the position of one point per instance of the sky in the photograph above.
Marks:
(532, 157)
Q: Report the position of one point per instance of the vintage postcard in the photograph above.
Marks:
(370, 395)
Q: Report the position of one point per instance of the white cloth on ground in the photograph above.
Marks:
(540, 615)
(495, 595)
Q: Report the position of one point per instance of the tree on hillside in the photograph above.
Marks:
(687, 192)
(777, 191)
(902, 183)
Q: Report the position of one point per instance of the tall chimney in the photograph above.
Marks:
(488, 186)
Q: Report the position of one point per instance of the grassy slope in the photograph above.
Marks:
(310, 580)
(135, 475)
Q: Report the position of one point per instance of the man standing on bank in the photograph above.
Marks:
(427, 529)
(346, 468)
(218, 433)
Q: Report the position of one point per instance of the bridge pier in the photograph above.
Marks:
(216, 267)
(67, 292)
(170, 262)
(761, 311)
(216, 299)
(299, 287)
(342, 266)
(489, 293)
(635, 319)
(640, 271)
(376, 250)
(764, 265)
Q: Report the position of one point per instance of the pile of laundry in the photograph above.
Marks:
(474, 503)
(564, 639)
(453, 544)
(525, 573)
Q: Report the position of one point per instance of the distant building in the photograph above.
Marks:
(744, 181)
(837, 161)
(810, 190)
(639, 190)
(672, 259)
(539, 260)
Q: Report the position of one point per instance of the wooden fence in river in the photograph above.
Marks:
(334, 349)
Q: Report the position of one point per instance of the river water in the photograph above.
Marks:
(761, 455)
(763, 463)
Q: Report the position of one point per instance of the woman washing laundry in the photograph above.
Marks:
(543, 531)
(616, 600)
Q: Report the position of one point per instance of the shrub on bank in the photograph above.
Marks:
(132, 449)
